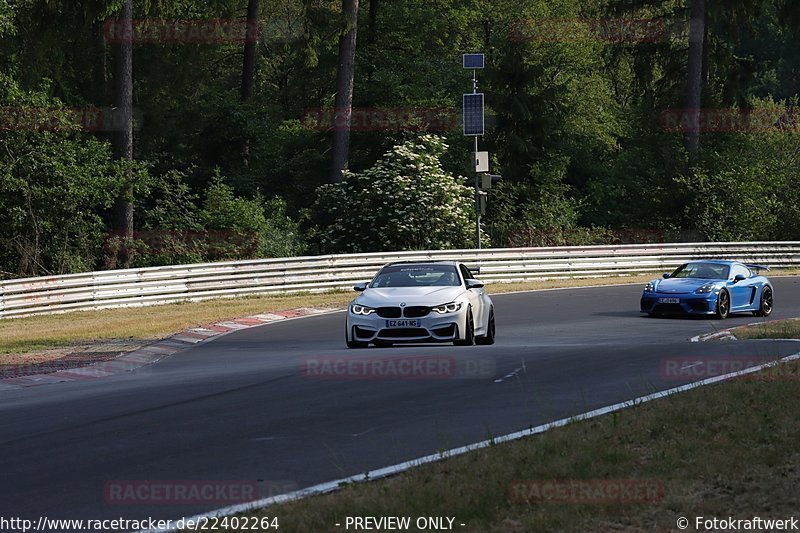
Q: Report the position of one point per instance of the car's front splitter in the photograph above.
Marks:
(672, 304)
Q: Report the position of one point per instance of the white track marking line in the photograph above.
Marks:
(510, 374)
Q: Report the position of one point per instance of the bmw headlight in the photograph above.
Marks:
(705, 289)
(452, 307)
(650, 287)
(357, 309)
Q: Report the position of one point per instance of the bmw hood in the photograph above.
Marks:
(681, 286)
(394, 296)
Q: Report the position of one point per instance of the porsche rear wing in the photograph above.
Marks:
(756, 267)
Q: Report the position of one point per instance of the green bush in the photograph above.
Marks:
(406, 201)
(181, 229)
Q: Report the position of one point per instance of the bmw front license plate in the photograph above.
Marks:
(402, 323)
(669, 300)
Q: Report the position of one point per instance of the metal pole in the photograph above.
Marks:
(477, 201)
(477, 177)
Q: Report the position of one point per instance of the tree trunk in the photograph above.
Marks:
(122, 219)
(249, 66)
(371, 33)
(343, 103)
(101, 67)
(250, 49)
(695, 77)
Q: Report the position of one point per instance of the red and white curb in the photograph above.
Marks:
(151, 353)
(723, 335)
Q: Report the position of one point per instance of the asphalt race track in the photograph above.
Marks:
(240, 408)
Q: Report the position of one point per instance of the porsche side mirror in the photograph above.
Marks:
(665, 275)
(474, 284)
(360, 287)
(739, 277)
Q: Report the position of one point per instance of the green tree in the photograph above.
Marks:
(745, 186)
(54, 183)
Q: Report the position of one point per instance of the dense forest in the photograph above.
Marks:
(150, 132)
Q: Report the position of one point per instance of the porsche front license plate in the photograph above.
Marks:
(669, 300)
(402, 323)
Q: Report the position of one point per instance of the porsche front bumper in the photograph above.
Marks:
(656, 303)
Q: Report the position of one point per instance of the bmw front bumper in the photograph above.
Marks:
(433, 327)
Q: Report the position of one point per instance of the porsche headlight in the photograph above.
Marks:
(357, 309)
(650, 287)
(452, 307)
(705, 289)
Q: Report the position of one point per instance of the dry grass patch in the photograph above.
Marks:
(778, 329)
(499, 288)
(40, 332)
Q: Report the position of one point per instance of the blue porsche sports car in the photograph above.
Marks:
(709, 288)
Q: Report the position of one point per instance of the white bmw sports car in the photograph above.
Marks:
(437, 301)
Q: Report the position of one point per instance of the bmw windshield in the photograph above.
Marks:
(417, 276)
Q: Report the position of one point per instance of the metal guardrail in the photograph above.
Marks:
(167, 284)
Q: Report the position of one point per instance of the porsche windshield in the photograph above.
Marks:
(417, 276)
(702, 271)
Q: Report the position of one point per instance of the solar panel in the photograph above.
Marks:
(473, 114)
(473, 60)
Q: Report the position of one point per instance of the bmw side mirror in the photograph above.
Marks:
(360, 287)
(739, 277)
(474, 284)
(665, 275)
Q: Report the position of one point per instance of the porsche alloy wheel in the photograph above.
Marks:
(723, 305)
(765, 309)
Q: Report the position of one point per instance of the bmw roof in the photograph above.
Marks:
(716, 261)
(450, 262)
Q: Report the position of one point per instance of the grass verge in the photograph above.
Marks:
(778, 329)
(727, 450)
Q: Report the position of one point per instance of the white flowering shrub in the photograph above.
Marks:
(406, 201)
